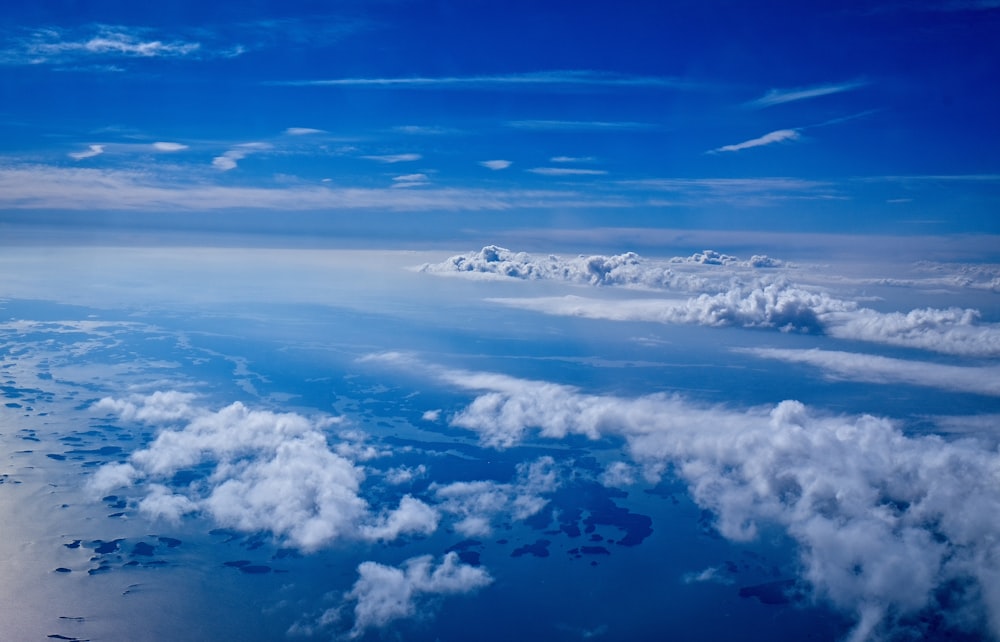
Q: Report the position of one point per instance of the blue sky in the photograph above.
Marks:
(387, 120)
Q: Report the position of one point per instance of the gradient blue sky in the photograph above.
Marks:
(389, 121)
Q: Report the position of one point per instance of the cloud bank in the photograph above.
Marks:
(889, 527)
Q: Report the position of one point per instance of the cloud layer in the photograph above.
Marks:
(888, 526)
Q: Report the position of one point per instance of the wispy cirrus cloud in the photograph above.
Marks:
(781, 96)
(393, 158)
(169, 147)
(496, 164)
(532, 80)
(778, 136)
(56, 45)
(566, 171)
(303, 131)
(90, 152)
(579, 125)
(228, 160)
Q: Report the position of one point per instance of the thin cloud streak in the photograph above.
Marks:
(579, 125)
(771, 138)
(566, 171)
(539, 79)
(781, 96)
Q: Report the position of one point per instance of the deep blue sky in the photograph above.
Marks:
(451, 116)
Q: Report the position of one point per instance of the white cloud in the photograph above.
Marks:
(778, 136)
(780, 96)
(982, 380)
(431, 415)
(394, 158)
(410, 180)
(539, 80)
(303, 131)
(53, 45)
(92, 150)
(579, 125)
(383, 594)
(227, 161)
(169, 147)
(572, 159)
(566, 171)
(496, 164)
(886, 523)
(270, 472)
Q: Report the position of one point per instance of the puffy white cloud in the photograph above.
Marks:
(496, 164)
(431, 415)
(268, 472)
(775, 303)
(886, 523)
(983, 380)
(478, 503)
(92, 150)
(383, 593)
(770, 138)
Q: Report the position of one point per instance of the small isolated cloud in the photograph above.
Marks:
(496, 164)
(92, 150)
(566, 171)
(303, 131)
(228, 160)
(422, 130)
(431, 415)
(394, 158)
(169, 147)
(771, 138)
(410, 180)
(383, 594)
(572, 159)
(780, 96)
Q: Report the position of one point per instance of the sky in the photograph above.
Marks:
(525, 320)
(448, 120)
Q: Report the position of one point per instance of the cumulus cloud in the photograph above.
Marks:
(628, 269)
(383, 594)
(394, 158)
(771, 138)
(228, 160)
(476, 504)
(888, 526)
(789, 308)
(91, 151)
(169, 147)
(496, 164)
(981, 380)
(269, 472)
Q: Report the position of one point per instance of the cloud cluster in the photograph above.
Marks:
(384, 593)
(265, 472)
(776, 303)
(889, 526)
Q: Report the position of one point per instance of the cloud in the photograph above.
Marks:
(572, 159)
(496, 164)
(28, 187)
(303, 131)
(781, 96)
(981, 380)
(394, 158)
(169, 147)
(889, 527)
(383, 594)
(92, 150)
(227, 161)
(566, 171)
(778, 136)
(410, 180)
(628, 269)
(541, 80)
(268, 472)
(54, 45)
(579, 125)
